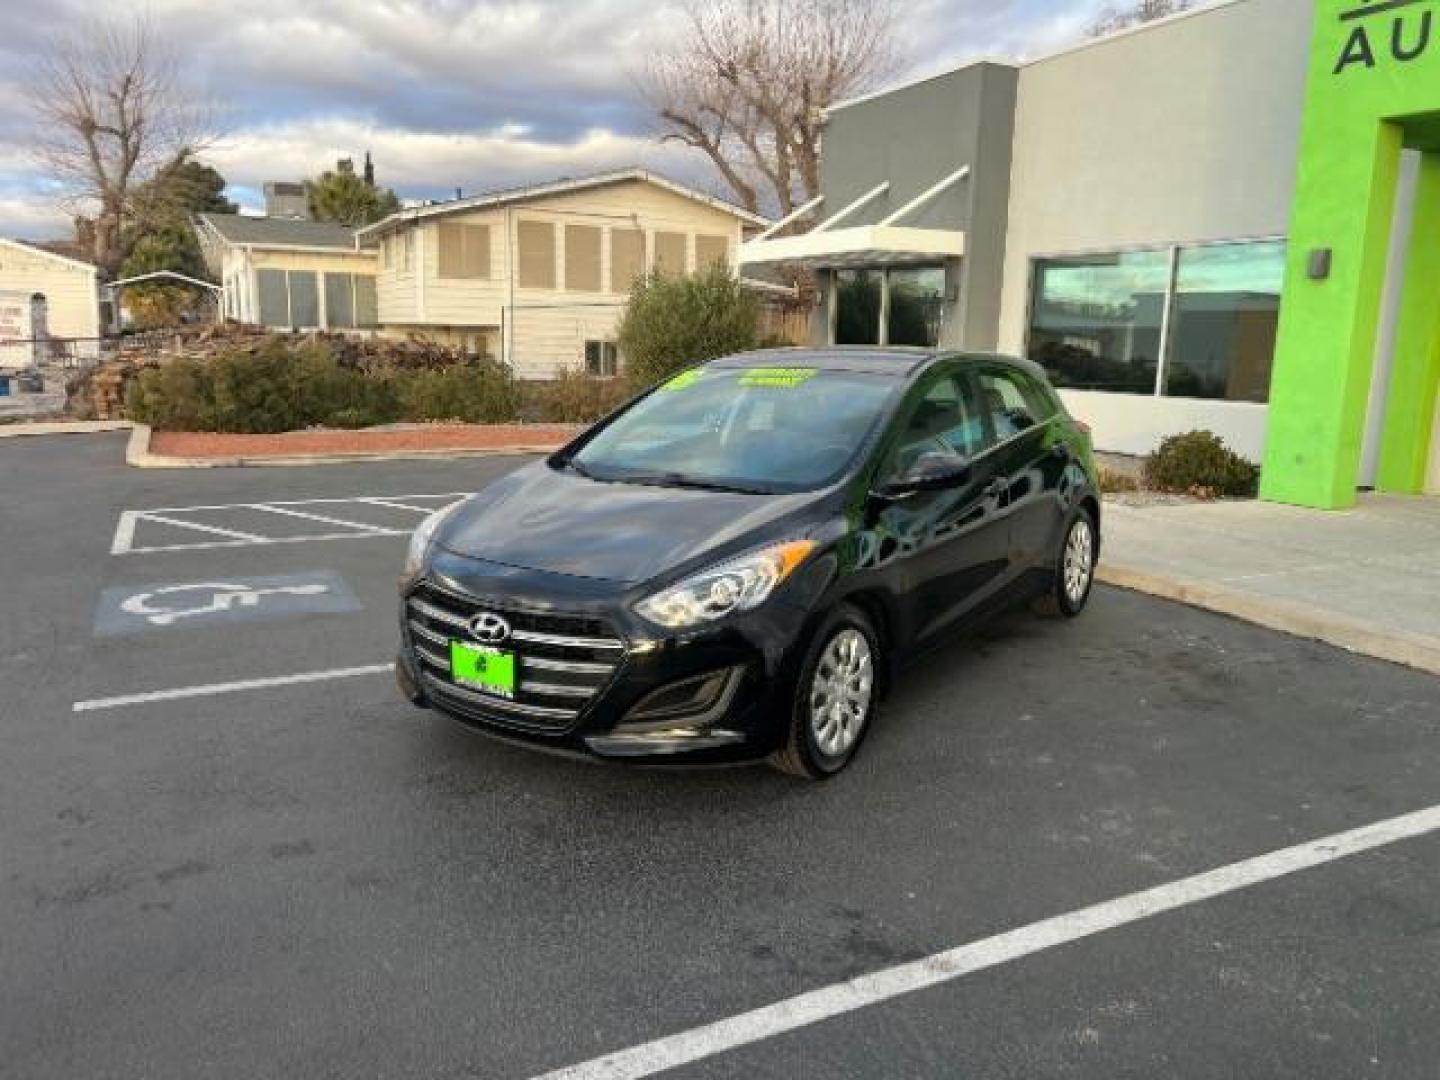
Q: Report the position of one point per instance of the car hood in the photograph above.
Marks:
(559, 522)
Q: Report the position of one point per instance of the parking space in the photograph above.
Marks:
(285, 521)
(251, 859)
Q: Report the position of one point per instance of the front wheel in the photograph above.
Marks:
(835, 697)
(1074, 572)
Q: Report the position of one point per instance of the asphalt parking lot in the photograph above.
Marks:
(228, 849)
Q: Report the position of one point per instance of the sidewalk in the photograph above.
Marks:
(1366, 579)
(180, 449)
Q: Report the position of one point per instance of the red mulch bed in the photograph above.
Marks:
(434, 437)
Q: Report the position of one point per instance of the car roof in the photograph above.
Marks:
(870, 359)
(900, 361)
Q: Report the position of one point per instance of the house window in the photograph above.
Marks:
(288, 298)
(340, 301)
(1185, 321)
(710, 250)
(464, 250)
(670, 252)
(304, 299)
(536, 243)
(367, 310)
(602, 358)
(627, 258)
(582, 258)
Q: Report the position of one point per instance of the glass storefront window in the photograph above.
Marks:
(1095, 319)
(857, 307)
(917, 305)
(1223, 322)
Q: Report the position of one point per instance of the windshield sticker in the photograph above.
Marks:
(681, 381)
(782, 378)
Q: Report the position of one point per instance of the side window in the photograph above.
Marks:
(944, 420)
(1013, 404)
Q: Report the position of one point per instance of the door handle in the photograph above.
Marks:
(996, 488)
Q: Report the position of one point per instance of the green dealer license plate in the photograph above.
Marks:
(482, 668)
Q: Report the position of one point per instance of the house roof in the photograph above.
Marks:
(66, 253)
(504, 196)
(243, 230)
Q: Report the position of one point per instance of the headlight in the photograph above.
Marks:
(737, 585)
(423, 537)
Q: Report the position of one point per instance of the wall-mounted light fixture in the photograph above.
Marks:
(1317, 267)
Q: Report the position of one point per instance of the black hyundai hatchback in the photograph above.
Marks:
(731, 566)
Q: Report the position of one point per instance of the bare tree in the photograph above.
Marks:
(110, 117)
(1113, 19)
(748, 83)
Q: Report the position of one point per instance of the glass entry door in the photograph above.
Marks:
(894, 306)
(857, 306)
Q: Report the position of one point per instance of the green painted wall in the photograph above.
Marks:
(1373, 88)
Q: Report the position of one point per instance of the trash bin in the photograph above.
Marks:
(4, 385)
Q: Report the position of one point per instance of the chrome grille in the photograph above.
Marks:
(563, 660)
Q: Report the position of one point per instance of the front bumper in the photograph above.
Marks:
(590, 670)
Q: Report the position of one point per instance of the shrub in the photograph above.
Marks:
(178, 396)
(1199, 463)
(1113, 481)
(284, 386)
(473, 393)
(574, 397)
(672, 322)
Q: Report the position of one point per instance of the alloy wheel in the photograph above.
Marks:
(1079, 561)
(840, 692)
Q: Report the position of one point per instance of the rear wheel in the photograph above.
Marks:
(1074, 572)
(835, 697)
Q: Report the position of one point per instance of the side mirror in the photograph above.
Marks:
(931, 471)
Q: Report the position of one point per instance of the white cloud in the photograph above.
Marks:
(437, 161)
(474, 93)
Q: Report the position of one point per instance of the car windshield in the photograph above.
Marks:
(766, 429)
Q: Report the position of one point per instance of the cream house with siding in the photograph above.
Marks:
(290, 274)
(538, 276)
(71, 303)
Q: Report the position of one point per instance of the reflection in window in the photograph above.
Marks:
(917, 305)
(1227, 307)
(857, 307)
(1095, 321)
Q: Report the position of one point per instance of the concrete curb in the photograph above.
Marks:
(61, 427)
(138, 455)
(1302, 620)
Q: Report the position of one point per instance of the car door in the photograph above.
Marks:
(945, 549)
(1030, 459)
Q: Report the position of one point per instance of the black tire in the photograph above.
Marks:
(1059, 601)
(803, 754)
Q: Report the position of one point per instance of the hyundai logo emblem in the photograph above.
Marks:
(489, 628)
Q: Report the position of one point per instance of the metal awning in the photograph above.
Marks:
(886, 243)
(862, 245)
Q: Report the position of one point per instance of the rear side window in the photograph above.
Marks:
(1014, 402)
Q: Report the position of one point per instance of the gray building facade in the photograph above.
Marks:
(1116, 212)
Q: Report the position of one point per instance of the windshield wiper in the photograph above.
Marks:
(680, 480)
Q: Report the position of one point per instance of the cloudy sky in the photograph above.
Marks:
(444, 93)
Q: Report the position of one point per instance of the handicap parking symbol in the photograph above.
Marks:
(129, 609)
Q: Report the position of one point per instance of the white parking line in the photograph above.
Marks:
(324, 519)
(259, 522)
(768, 1021)
(199, 527)
(212, 689)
